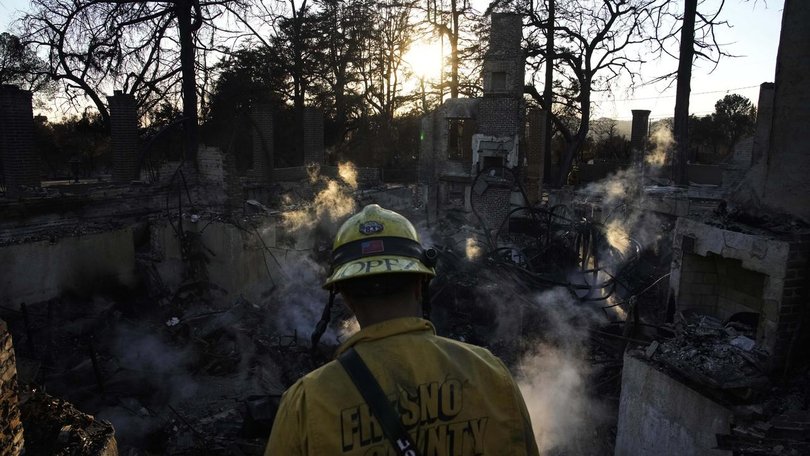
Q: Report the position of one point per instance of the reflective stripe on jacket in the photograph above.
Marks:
(453, 398)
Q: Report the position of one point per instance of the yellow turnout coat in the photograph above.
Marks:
(453, 398)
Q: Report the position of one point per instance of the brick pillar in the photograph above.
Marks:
(638, 135)
(535, 144)
(762, 134)
(18, 161)
(263, 160)
(124, 136)
(11, 429)
(313, 136)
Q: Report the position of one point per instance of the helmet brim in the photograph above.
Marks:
(376, 265)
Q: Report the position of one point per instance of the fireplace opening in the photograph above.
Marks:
(723, 288)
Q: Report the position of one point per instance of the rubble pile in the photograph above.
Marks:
(55, 427)
(722, 359)
(709, 353)
(779, 425)
(188, 377)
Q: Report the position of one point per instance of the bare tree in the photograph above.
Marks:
(147, 49)
(343, 26)
(382, 59)
(20, 65)
(695, 32)
(452, 22)
(596, 42)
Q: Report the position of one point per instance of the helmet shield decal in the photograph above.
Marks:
(371, 227)
(383, 264)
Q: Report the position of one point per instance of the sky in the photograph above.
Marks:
(753, 38)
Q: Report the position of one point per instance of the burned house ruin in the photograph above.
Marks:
(164, 308)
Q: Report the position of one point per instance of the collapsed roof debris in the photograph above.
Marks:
(55, 427)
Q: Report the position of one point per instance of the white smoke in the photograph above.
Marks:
(472, 249)
(552, 377)
(301, 297)
(348, 174)
(662, 143)
(334, 201)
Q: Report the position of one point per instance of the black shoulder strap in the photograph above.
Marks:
(380, 407)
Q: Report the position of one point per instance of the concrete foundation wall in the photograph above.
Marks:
(38, 271)
(659, 415)
(236, 262)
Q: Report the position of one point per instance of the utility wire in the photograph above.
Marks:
(673, 96)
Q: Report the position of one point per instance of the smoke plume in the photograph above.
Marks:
(312, 225)
(552, 376)
(662, 142)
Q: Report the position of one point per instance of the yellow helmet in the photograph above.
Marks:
(378, 241)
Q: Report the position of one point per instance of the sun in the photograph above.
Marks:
(424, 58)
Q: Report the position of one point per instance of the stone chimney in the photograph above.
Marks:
(780, 180)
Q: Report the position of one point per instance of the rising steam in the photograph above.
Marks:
(332, 203)
(307, 223)
(552, 377)
(348, 173)
(472, 249)
(662, 142)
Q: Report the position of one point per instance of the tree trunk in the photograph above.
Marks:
(190, 126)
(548, 97)
(681, 127)
(454, 50)
(576, 143)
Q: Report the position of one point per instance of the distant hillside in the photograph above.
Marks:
(623, 127)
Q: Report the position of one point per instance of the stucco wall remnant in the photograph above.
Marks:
(660, 415)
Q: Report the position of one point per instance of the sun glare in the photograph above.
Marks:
(425, 59)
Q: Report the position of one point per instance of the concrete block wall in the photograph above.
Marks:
(698, 284)
(11, 429)
(124, 136)
(263, 152)
(217, 172)
(20, 165)
(313, 136)
(211, 166)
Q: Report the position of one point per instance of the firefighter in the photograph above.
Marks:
(436, 396)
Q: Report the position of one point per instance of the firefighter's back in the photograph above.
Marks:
(453, 398)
